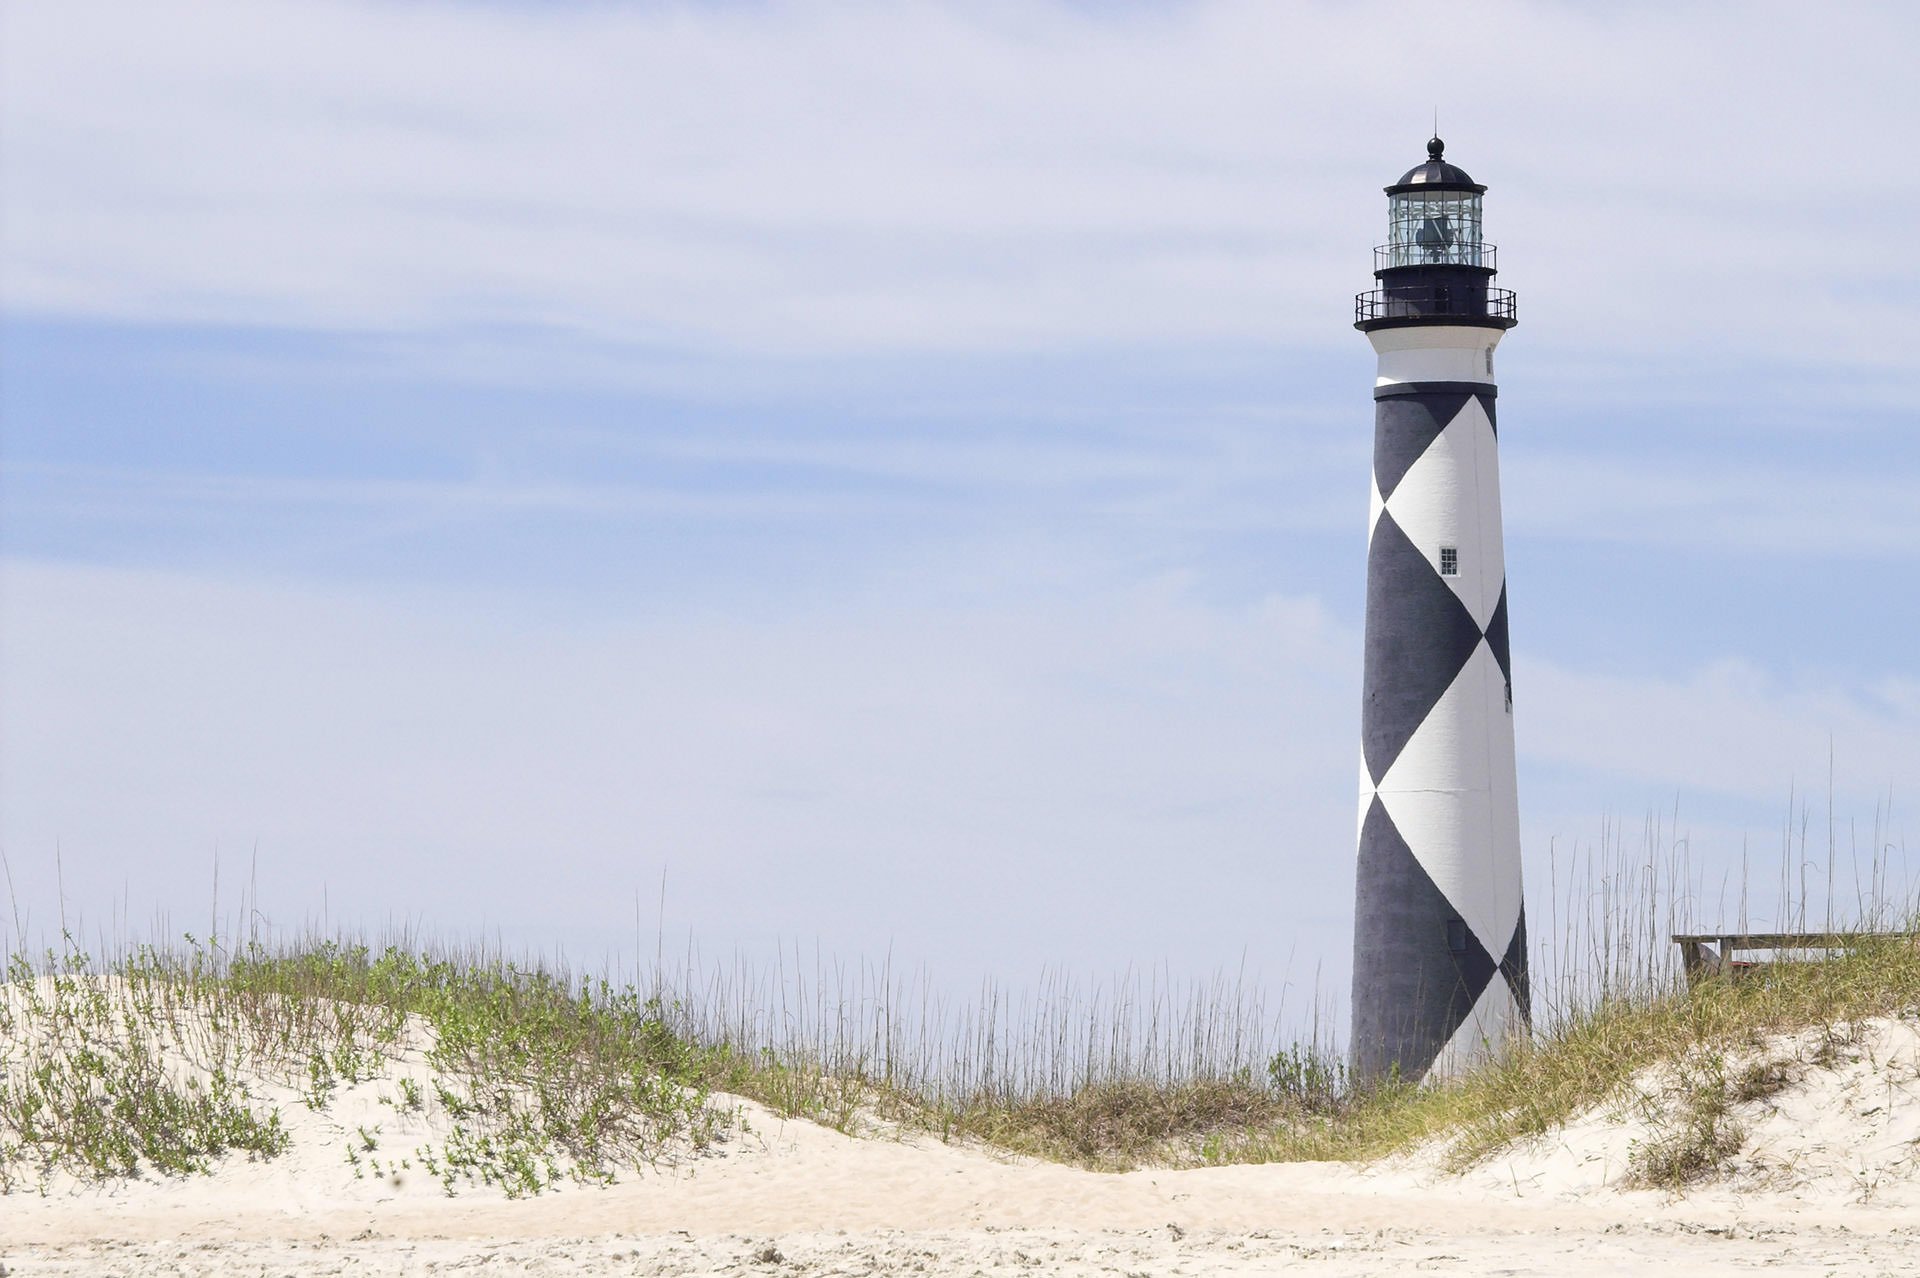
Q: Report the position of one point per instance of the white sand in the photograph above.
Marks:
(1827, 1184)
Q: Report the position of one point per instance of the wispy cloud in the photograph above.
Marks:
(930, 177)
(1709, 502)
(105, 494)
(969, 771)
(1077, 764)
(1728, 728)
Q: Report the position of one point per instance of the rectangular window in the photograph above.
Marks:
(1449, 561)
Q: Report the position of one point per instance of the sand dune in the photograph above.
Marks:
(1828, 1181)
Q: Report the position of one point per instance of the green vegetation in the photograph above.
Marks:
(540, 1079)
(525, 1078)
(148, 1064)
(1702, 1054)
(86, 1090)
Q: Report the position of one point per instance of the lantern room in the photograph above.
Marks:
(1433, 215)
(1436, 266)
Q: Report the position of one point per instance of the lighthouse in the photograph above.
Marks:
(1440, 931)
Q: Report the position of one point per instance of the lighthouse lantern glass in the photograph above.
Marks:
(1434, 228)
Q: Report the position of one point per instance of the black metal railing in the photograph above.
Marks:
(1463, 253)
(1435, 304)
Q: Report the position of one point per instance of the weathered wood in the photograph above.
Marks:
(1705, 954)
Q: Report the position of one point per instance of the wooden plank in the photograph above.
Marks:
(1790, 940)
(1705, 954)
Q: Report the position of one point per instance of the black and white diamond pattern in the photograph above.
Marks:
(1440, 932)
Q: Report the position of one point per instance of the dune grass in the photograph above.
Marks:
(1708, 1051)
(86, 1090)
(164, 1060)
(172, 1059)
(158, 1061)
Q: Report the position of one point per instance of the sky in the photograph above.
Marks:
(891, 479)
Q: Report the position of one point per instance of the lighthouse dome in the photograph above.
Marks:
(1435, 175)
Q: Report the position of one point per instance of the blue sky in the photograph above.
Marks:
(900, 470)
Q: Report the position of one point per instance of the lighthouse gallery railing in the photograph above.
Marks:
(1436, 302)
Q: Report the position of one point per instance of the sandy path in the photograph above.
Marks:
(1559, 1253)
(800, 1200)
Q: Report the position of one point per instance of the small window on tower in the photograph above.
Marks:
(1449, 561)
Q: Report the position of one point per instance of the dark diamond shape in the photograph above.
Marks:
(1514, 967)
(1419, 636)
(1403, 428)
(1418, 969)
(1497, 639)
(1486, 402)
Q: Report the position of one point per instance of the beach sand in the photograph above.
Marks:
(1827, 1183)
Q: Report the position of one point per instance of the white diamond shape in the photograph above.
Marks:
(1442, 795)
(1450, 496)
